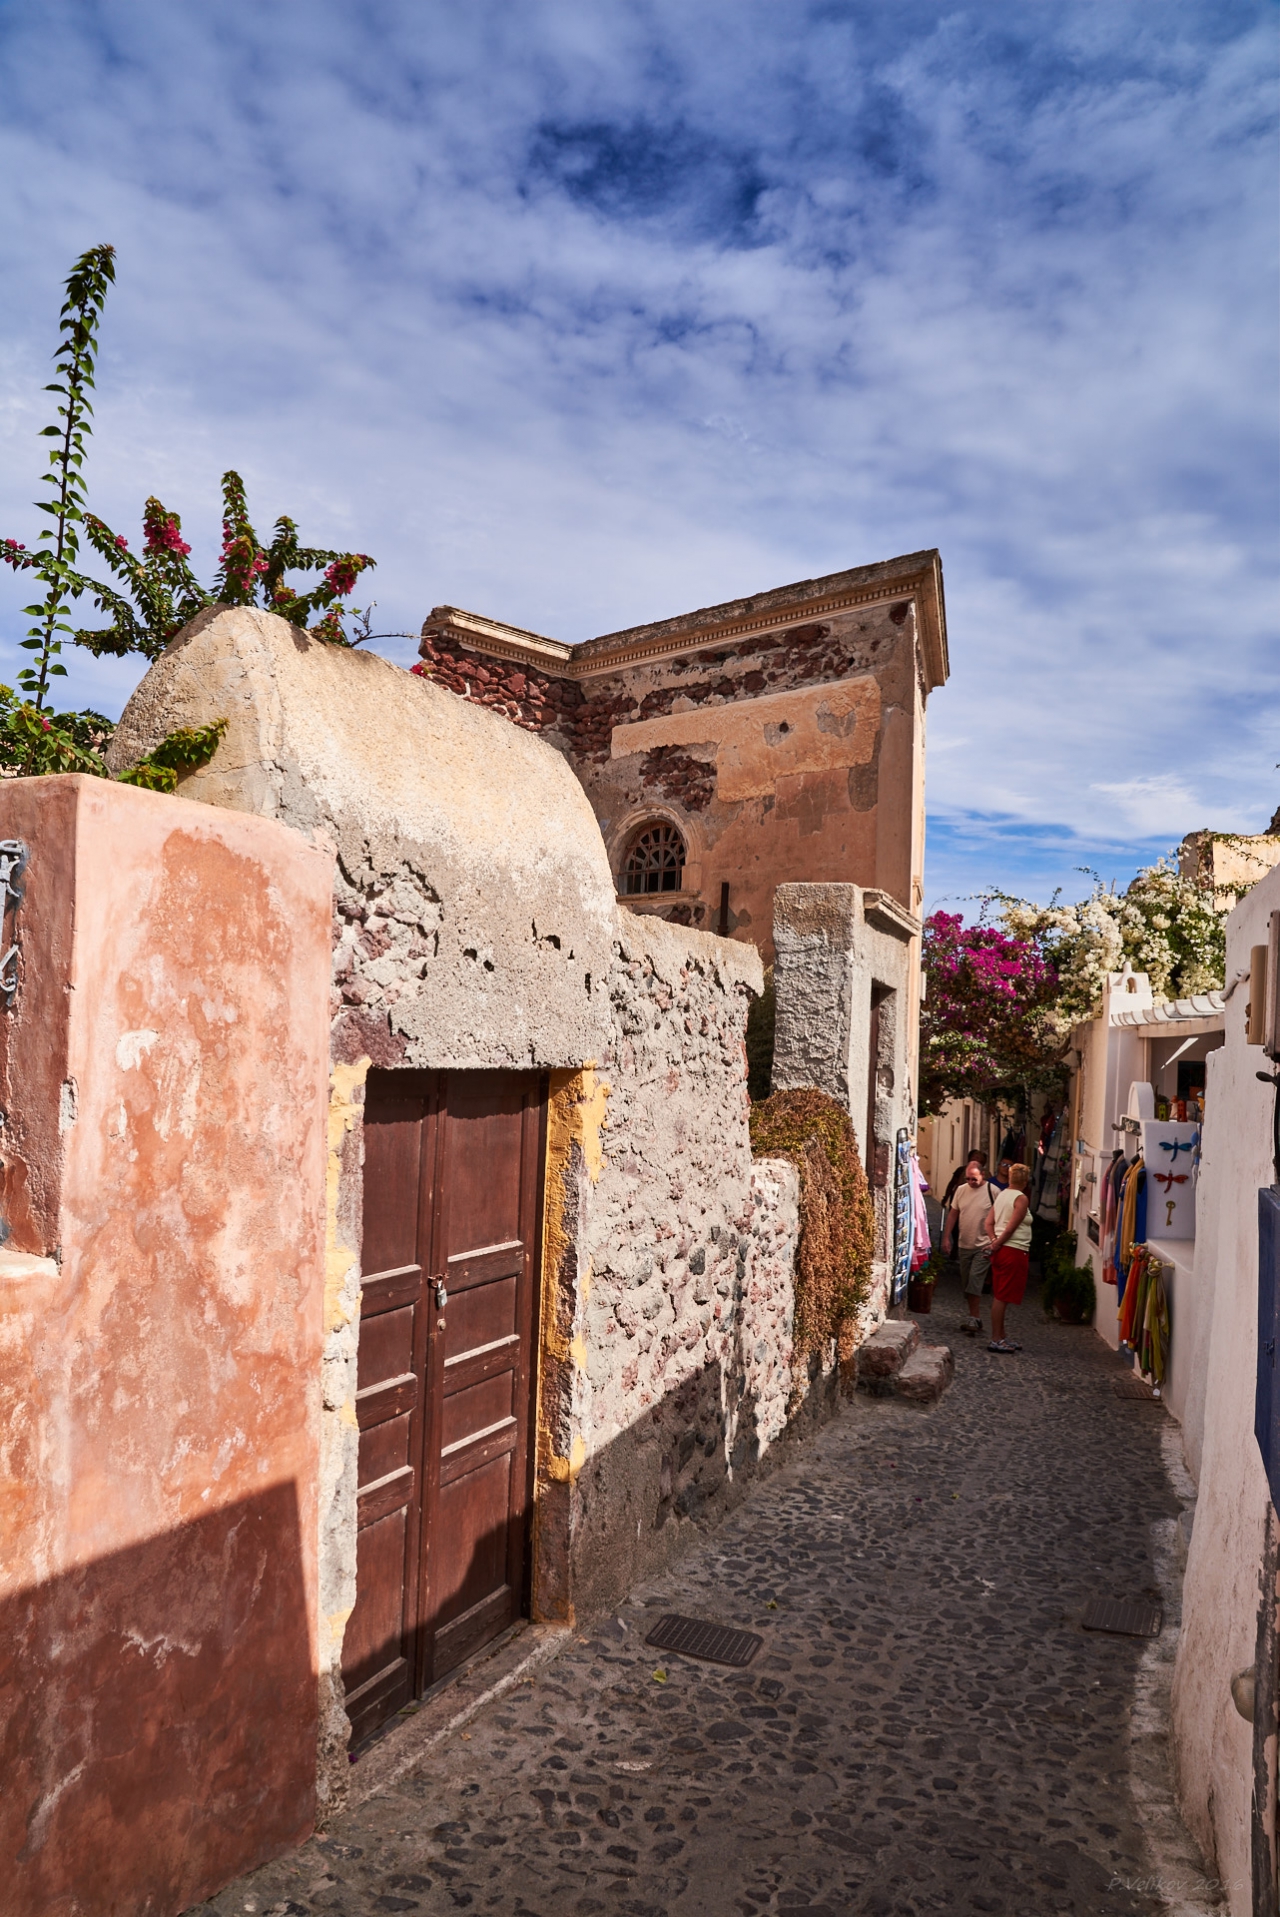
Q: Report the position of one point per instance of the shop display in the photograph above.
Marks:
(1145, 1326)
(1171, 1154)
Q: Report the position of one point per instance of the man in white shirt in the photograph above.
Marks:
(969, 1206)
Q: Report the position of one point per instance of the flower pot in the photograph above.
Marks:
(919, 1297)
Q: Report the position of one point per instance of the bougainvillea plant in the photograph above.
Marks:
(33, 739)
(988, 1025)
(53, 560)
(837, 1216)
(1165, 925)
(160, 592)
(156, 593)
(1001, 1000)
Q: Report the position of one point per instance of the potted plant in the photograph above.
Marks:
(1067, 1290)
(921, 1283)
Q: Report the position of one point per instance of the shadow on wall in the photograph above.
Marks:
(682, 1467)
(158, 1718)
(637, 1502)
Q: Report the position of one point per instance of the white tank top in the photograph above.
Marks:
(1020, 1238)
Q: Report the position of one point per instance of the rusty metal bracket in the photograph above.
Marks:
(13, 866)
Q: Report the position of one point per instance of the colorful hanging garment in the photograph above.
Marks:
(1133, 1222)
(1134, 1298)
(921, 1247)
(1154, 1334)
(1127, 1303)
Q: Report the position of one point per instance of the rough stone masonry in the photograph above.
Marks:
(475, 926)
(674, 1299)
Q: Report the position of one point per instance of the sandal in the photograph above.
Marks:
(1003, 1344)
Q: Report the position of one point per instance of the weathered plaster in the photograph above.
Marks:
(774, 736)
(339, 1430)
(784, 733)
(474, 900)
(158, 1412)
(1212, 1742)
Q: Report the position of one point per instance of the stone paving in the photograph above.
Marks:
(927, 1728)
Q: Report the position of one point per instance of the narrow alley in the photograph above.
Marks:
(927, 1727)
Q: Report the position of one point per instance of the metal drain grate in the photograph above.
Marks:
(715, 1643)
(1122, 1620)
(1131, 1387)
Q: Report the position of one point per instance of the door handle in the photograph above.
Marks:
(442, 1295)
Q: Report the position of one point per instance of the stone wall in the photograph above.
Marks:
(839, 949)
(473, 917)
(781, 735)
(668, 1290)
(474, 925)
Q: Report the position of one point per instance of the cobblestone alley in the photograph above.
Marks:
(927, 1727)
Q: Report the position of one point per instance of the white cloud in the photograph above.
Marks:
(1158, 804)
(583, 316)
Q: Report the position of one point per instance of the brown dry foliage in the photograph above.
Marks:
(837, 1218)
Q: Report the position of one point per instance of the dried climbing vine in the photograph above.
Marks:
(837, 1218)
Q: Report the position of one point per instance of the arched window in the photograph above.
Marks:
(655, 862)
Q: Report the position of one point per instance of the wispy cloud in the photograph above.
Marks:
(584, 315)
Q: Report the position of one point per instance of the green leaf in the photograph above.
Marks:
(189, 747)
(152, 778)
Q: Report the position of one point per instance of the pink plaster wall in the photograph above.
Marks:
(163, 1073)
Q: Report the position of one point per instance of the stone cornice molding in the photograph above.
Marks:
(503, 642)
(641, 645)
(882, 909)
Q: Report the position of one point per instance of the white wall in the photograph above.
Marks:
(1213, 1751)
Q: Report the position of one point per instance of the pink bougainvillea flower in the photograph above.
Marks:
(123, 543)
(341, 574)
(163, 531)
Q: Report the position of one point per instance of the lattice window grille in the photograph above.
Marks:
(655, 862)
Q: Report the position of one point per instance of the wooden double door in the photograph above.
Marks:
(446, 1376)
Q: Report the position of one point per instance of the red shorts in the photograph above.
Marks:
(1009, 1275)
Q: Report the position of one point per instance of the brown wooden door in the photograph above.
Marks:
(380, 1648)
(445, 1398)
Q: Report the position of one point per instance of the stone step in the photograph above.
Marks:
(885, 1352)
(926, 1374)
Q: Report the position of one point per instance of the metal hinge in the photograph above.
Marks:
(13, 866)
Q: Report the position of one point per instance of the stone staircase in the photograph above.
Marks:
(894, 1363)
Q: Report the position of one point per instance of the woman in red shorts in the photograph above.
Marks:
(1008, 1230)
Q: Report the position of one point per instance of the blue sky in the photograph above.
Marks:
(585, 314)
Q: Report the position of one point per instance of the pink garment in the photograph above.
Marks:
(1109, 1224)
(920, 1246)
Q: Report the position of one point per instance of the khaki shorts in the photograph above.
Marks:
(975, 1266)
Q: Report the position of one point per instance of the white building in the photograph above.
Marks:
(1135, 1041)
(1226, 1682)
